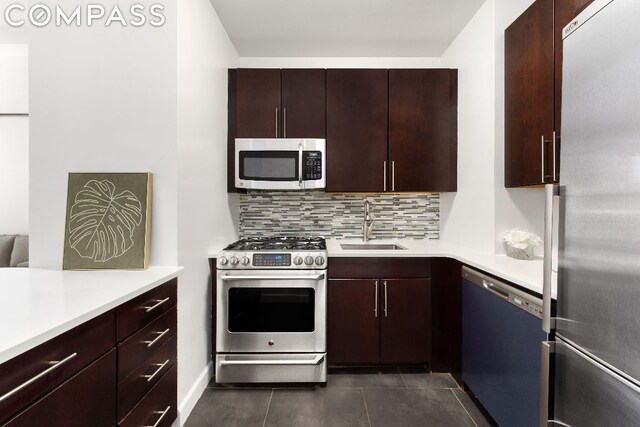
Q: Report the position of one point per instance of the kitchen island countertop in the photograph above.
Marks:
(39, 304)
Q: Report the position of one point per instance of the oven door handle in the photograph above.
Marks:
(315, 361)
(283, 277)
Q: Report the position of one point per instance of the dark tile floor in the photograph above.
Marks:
(380, 397)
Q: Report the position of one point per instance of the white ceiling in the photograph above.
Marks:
(354, 28)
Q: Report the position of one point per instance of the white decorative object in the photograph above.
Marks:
(519, 243)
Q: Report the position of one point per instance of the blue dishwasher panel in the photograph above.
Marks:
(501, 356)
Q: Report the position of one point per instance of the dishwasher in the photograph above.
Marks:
(501, 339)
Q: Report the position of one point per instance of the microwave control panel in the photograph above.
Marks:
(312, 161)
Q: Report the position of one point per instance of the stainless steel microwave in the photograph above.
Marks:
(280, 164)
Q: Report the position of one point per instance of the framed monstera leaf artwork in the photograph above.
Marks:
(108, 221)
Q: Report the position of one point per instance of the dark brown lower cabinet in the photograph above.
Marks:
(405, 326)
(86, 399)
(379, 321)
(353, 326)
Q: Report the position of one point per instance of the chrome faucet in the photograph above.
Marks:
(367, 223)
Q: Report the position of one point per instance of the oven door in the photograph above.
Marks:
(267, 311)
(280, 164)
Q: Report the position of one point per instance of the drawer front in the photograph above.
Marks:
(159, 407)
(86, 399)
(135, 349)
(140, 311)
(25, 378)
(139, 382)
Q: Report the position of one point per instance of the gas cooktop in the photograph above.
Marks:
(279, 243)
(274, 253)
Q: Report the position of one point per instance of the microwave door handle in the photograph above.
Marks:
(300, 164)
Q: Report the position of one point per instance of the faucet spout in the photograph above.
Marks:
(367, 223)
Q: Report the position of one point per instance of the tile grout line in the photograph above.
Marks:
(264, 423)
(464, 407)
(401, 376)
(366, 410)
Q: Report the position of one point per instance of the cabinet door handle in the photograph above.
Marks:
(158, 303)
(155, 340)
(162, 414)
(160, 368)
(284, 124)
(276, 122)
(554, 156)
(542, 157)
(393, 175)
(385, 298)
(375, 304)
(384, 175)
(54, 364)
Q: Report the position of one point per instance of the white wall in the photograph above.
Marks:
(482, 209)
(102, 99)
(14, 139)
(206, 214)
(467, 216)
(338, 62)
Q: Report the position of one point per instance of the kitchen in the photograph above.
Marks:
(92, 115)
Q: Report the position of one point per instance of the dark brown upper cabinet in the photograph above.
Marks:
(357, 126)
(533, 90)
(423, 130)
(273, 103)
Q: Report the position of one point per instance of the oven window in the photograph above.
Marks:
(271, 310)
(269, 165)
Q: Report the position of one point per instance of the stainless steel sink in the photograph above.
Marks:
(372, 246)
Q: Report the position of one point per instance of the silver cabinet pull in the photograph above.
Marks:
(160, 368)
(162, 414)
(276, 122)
(384, 175)
(158, 303)
(549, 191)
(375, 304)
(300, 164)
(385, 298)
(160, 335)
(54, 364)
(284, 124)
(554, 155)
(393, 175)
(542, 157)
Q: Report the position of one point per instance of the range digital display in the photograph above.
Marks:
(272, 260)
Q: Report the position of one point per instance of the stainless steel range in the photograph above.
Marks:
(271, 298)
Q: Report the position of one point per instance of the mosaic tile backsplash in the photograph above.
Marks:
(315, 213)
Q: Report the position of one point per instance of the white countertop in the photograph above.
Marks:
(39, 304)
(527, 274)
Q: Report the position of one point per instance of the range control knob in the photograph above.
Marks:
(319, 260)
(297, 260)
(245, 260)
(308, 260)
(223, 260)
(233, 260)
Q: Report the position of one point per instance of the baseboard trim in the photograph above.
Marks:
(189, 402)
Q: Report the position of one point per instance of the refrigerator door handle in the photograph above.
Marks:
(548, 347)
(549, 191)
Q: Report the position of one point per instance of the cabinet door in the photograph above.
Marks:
(258, 112)
(303, 103)
(357, 119)
(423, 130)
(529, 96)
(405, 331)
(353, 319)
(86, 399)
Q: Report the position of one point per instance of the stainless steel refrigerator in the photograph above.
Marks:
(591, 370)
